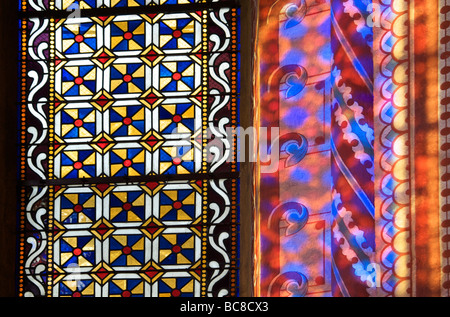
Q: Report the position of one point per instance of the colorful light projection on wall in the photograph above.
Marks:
(295, 216)
(353, 87)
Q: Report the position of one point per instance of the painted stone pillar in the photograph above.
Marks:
(352, 148)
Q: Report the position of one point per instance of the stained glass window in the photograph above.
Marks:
(129, 185)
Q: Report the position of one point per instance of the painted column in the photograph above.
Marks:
(352, 147)
(294, 92)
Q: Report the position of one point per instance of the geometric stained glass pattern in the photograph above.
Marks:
(120, 193)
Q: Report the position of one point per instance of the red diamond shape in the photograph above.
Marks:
(57, 61)
(152, 185)
(102, 143)
(151, 272)
(102, 229)
(102, 187)
(103, 58)
(151, 99)
(152, 55)
(102, 101)
(56, 230)
(152, 227)
(152, 140)
(102, 273)
(199, 138)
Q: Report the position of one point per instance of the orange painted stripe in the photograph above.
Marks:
(426, 281)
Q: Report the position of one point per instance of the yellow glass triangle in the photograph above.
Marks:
(122, 25)
(133, 45)
(164, 81)
(164, 123)
(190, 199)
(189, 28)
(181, 259)
(66, 170)
(164, 166)
(181, 215)
(114, 126)
(171, 24)
(171, 282)
(132, 88)
(189, 243)
(73, 198)
(188, 288)
(121, 239)
(139, 245)
(164, 254)
(67, 44)
(181, 86)
(84, 91)
(66, 86)
(114, 211)
(189, 71)
(114, 254)
(83, 133)
(115, 168)
(183, 44)
(90, 117)
(172, 238)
